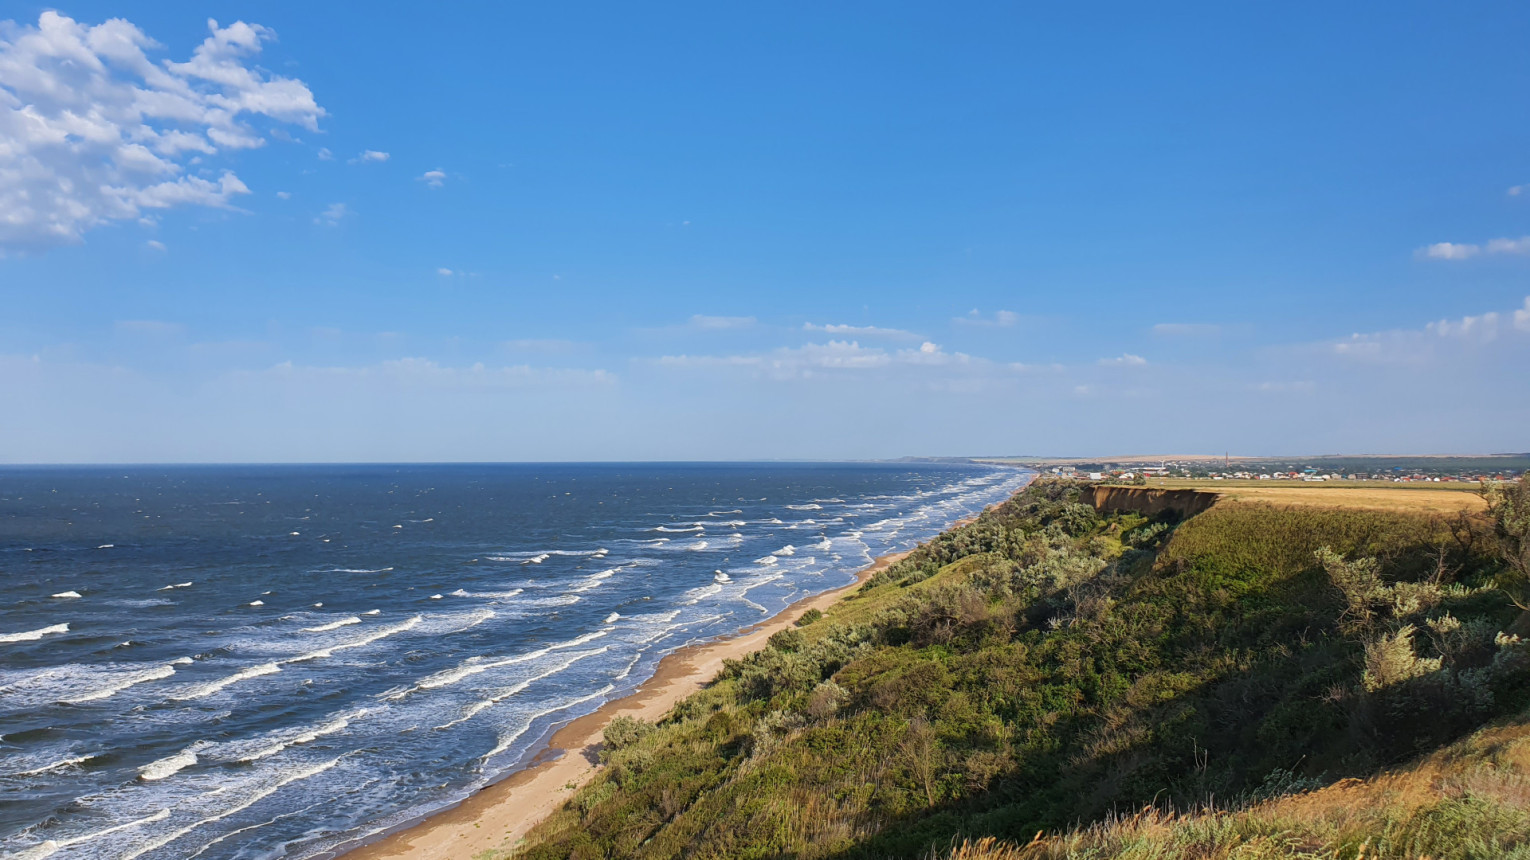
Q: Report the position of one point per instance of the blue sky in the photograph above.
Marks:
(702, 231)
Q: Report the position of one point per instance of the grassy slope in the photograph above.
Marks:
(1045, 666)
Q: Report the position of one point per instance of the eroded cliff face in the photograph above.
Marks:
(1147, 501)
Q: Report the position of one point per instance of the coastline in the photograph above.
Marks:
(499, 815)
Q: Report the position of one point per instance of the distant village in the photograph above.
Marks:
(1138, 473)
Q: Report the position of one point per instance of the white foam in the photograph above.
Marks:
(257, 603)
(681, 529)
(33, 635)
(435, 597)
(292, 534)
(488, 595)
(698, 546)
(67, 594)
(696, 595)
(106, 546)
(211, 687)
(50, 847)
(249, 801)
(767, 560)
(329, 728)
(479, 707)
(176, 585)
(354, 570)
(372, 612)
(158, 673)
(723, 513)
(169, 766)
(68, 762)
(333, 625)
(719, 576)
(612, 618)
(506, 740)
(479, 665)
(786, 550)
(805, 507)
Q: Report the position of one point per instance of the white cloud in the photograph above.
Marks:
(93, 131)
(1124, 360)
(284, 195)
(1449, 251)
(1462, 251)
(444, 271)
(711, 323)
(860, 331)
(1420, 346)
(325, 154)
(434, 178)
(1186, 329)
(155, 244)
(1516, 190)
(370, 156)
(333, 215)
(1000, 319)
(814, 359)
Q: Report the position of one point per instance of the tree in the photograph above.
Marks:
(1510, 506)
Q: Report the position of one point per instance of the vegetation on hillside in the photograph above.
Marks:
(1047, 666)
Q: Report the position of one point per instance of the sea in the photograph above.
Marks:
(287, 661)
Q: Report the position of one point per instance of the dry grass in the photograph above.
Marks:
(1468, 800)
(1368, 495)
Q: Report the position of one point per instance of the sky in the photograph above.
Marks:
(313, 232)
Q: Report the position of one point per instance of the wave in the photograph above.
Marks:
(211, 687)
(611, 619)
(257, 603)
(333, 625)
(505, 741)
(33, 635)
(168, 766)
(719, 576)
(679, 530)
(106, 546)
(723, 513)
(63, 763)
(785, 551)
(329, 728)
(158, 673)
(698, 546)
(368, 639)
(804, 507)
(67, 594)
(351, 570)
(478, 665)
(479, 707)
(176, 585)
(254, 798)
(826, 543)
(488, 595)
(543, 555)
(50, 847)
(697, 595)
(767, 560)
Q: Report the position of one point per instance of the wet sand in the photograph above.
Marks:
(499, 815)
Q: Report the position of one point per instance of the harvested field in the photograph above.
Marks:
(1440, 499)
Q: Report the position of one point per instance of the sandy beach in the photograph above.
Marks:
(499, 815)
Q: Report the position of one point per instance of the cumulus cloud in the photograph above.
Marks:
(149, 328)
(1124, 360)
(1462, 251)
(434, 178)
(284, 195)
(1516, 190)
(711, 323)
(999, 319)
(325, 154)
(1416, 346)
(155, 244)
(426, 373)
(332, 215)
(444, 271)
(371, 156)
(860, 331)
(93, 131)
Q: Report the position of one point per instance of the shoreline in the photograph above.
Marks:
(500, 814)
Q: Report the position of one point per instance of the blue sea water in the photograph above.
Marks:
(255, 662)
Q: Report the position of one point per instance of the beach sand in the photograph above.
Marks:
(499, 815)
